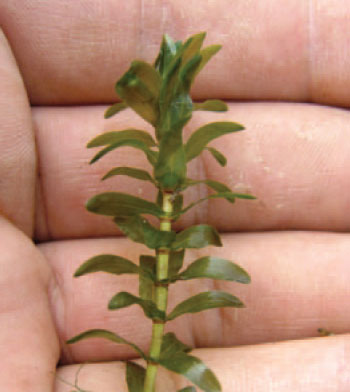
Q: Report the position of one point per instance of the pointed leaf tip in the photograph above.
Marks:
(114, 109)
(192, 46)
(213, 105)
(218, 156)
(207, 53)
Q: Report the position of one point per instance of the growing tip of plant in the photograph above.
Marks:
(160, 94)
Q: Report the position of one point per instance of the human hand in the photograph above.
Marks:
(293, 157)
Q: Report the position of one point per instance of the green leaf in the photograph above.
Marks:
(130, 172)
(215, 268)
(104, 334)
(168, 84)
(139, 88)
(187, 74)
(207, 53)
(114, 109)
(178, 46)
(225, 195)
(135, 376)
(212, 105)
(137, 96)
(197, 237)
(117, 204)
(174, 102)
(148, 266)
(216, 185)
(147, 277)
(152, 156)
(218, 156)
(176, 258)
(148, 75)
(168, 50)
(112, 137)
(124, 299)
(178, 203)
(205, 134)
(187, 389)
(194, 370)
(242, 196)
(107, 263)
(192, 46)
(204, 301)
(140, 230)
(171, 345)
(229, 196)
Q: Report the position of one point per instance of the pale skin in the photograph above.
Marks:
(295, 157)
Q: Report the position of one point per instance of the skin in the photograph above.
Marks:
(294, 156)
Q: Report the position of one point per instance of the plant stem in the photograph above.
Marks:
(161, 298)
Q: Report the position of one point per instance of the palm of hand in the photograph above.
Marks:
(293, 157)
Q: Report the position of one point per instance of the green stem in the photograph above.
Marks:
(161, 298)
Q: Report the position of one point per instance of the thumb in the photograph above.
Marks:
(28, 341)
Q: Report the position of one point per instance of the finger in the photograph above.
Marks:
(307, 365)
(309, 66)
(28, 341)
(299, 284)
(292, 157)
(17, 168)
